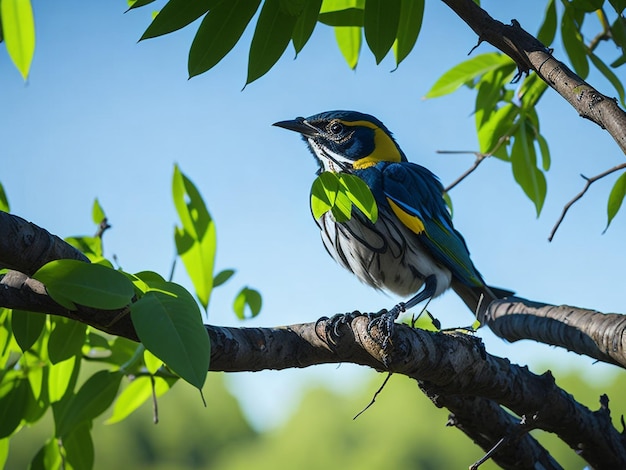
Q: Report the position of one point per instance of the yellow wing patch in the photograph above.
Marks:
(385, 150)
(411, 221)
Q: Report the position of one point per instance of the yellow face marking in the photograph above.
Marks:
(411, 221)
(385, 150)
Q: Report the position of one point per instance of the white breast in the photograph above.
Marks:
(385, 255)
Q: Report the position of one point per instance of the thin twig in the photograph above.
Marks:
(479, 158)
(375, 395)
(589, 182)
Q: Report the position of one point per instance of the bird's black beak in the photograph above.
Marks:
(298, 124)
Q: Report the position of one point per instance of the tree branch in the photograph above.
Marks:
(529, 54)
(589, 182)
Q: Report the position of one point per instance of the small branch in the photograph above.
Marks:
(589, 182)
(479, 159)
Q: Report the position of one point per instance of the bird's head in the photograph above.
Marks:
(346, 140)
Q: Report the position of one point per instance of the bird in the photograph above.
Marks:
(412, 249)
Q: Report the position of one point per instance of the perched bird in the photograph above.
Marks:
(413, 244)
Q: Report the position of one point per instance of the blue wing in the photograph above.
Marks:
(415, 196)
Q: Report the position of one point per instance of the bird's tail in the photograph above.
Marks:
(478, 298)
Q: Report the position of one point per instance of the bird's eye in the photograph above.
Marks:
(335, 128)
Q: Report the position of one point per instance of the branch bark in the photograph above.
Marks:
(453, 369)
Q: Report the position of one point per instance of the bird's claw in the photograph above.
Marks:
(333, 324)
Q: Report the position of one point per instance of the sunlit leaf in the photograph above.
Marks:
(27, 327)
(62, 378)
(48, 456)
(169, 324)
(574, 44)
(218, 33)
(411, 16)
(18, 29)
(466, 72)
(4, 451)
(89, 246)
(136, 394)
(342, 12)
(153, 363)
(177, 14)
(272, 34)
(324, 193)
(380, 23)
(97, 213)
(349, 42)
(196, 241)
(524, 165)
(4, 201)
(499, 126)
(305, 24)
(132, 4)
(88, 284)
(616, 198)
(91, 400)
(360, 195)
(250, 298)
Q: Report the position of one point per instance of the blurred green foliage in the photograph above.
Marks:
(402, 430)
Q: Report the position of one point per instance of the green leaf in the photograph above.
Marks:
(27, 327)
(218, 33)
(132, 4)
(524, 165)
(498, 126)
(88, 284)
(323, 193)
(169, 324)
(91, 400)
(4, 452)
(490, 92)
(610, 76)
(251, 298)
(411, 16)
(136, 394)
(342, 208)
(531, 91)
(196, 241)
(587, 5)
(380, 22)
(4, 201)
(18, 29)
(89, 246)
(153, 363)
(349, 41)
(466, 72)
(272, 34)
(616, 198)
(97, 213)
(49, 456)
(222, 277)
(547, 31)
(177, 14)
(66, 339)
(360, 195)
(13, 401)
(305, 24)
(574, 44)
(545, 152)
(78, 446)
(342, 12)
(618, 5)
(62, 378)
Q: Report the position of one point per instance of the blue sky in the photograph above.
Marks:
(103, 116)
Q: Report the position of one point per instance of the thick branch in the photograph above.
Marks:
(529, 54)
(447, 365)
(594, 334)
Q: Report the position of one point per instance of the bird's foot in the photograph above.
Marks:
(333, 324)
(385, 321)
